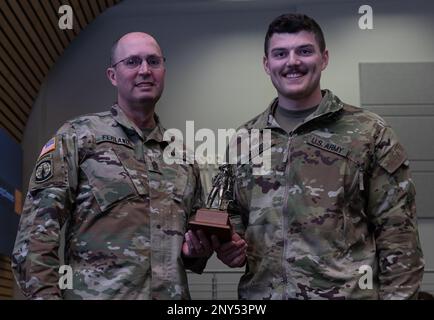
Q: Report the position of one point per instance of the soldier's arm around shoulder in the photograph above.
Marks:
(392, 209)
(35, 258)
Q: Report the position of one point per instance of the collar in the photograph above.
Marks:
(329, 105)
(130, 127)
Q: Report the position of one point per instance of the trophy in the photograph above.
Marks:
(216, 221)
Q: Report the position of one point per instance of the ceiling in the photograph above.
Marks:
(30, 44)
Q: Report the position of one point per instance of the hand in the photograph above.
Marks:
(196, 245)
(232, 253)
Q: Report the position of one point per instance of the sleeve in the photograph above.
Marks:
(392, 210)
(238, 206)
(35, 257)
(196, 265)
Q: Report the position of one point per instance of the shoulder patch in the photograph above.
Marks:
(394, 158)
(48, 147)
(44, 170)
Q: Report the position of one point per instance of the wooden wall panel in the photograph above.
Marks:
(384, 89)
(30, 44)
(6, 279)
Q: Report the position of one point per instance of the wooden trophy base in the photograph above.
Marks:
(211, 222)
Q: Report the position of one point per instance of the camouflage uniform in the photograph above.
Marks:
(338, 197)
(127, 213)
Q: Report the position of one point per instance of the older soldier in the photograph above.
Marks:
(335, 216)
(127, 209)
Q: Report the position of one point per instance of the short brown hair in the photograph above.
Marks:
(293, 23)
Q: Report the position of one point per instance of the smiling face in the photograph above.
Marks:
(140, 86)
(294, 63)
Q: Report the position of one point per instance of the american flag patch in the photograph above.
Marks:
(49, 146)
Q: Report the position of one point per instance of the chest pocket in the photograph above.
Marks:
(170, 203)
(338, 166)
(167, 181)
(329, 185)
(112, 177)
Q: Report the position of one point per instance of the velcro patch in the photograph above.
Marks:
(394, 158)
(48, 147)
(112, 139)
(327, 145)
(44, 170)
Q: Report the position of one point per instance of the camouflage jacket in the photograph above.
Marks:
(127, 213)
(336, 210)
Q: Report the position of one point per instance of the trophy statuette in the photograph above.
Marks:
(216, 221)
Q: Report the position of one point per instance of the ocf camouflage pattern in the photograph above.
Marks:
(339, 197)
(127, 213)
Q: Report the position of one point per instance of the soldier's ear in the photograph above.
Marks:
(265, 63)
(111, 75)
(325, 59)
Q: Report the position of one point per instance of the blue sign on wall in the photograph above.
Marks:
(10, 191)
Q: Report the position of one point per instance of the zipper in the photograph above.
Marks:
(285, 161)
(361, 184)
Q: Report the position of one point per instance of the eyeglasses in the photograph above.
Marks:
(133, 62)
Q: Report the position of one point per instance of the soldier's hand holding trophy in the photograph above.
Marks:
(215, 221)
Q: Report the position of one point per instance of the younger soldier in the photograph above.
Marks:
(338, 202)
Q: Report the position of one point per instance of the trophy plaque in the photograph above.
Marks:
(212, 222)
(216, 221)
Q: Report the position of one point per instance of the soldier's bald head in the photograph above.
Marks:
(129, 38)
